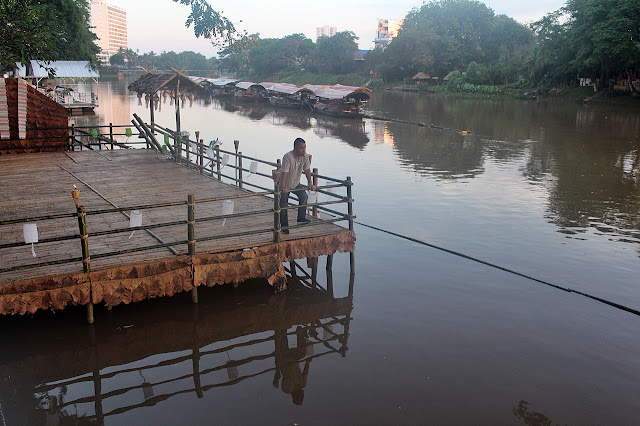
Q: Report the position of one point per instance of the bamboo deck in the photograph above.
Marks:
(39, 184)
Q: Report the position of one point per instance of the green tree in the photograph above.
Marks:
(23, 33)
(117, 59)
(209, 23)
(335, 54)
(590, 38)
(45, 29)
(446, 35)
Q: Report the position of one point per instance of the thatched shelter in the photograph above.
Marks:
(150, 83)
(176, 83)
(421, 77)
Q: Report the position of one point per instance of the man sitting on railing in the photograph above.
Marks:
(294, 163)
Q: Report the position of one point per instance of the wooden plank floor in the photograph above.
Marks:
(40, 184)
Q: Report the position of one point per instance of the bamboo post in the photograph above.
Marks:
(236, 144)
(352, 277)
(177, 106)
(86, 260)
(217, 147)
(352, 257)
(111, 134)
(239, 169)
(201, 156)
(73, 137)
(191, 237)
(276, 205)
(345, 335)
(329, 271)
(314, 210)
(195, 358)
(152, 113)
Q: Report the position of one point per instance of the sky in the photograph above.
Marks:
(158, 25)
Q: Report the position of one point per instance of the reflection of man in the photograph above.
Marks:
(294, 163)
(288, 365)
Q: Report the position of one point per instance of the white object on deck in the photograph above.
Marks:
(30, 231)
(135, 219)
(227, 208)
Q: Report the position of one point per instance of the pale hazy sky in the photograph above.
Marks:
(158, 25)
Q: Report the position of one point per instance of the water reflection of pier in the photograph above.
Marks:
(350, 131)
(139, 358)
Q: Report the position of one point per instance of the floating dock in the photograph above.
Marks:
(177, 248)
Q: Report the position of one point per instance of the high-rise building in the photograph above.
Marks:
(110, 25)
(325, 31)
(387, 30)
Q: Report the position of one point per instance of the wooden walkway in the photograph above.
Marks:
(40, 184)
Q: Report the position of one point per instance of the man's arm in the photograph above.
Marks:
(311, 185)
(283, 179)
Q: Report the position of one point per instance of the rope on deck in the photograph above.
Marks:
(502, 268)
(174, 251)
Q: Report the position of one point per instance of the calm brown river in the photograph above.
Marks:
(550, 191)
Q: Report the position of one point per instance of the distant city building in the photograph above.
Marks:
(326, 31)
(110, 25)
(387, 30)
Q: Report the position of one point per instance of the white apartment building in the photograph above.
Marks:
(325, 31)
(387, 30)
(110, 25)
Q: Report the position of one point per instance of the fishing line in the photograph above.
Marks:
(502, 268)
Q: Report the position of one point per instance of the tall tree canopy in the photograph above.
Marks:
(335, 54)
(49, 30)
(59, 29)
(593, 38)
(445, 35)
(209, 23)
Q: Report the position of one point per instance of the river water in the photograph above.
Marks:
(548, 190)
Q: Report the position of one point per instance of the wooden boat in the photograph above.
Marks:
(251, 92)
(286, 95)
(340, 101)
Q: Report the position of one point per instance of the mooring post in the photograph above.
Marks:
(86, 260)
(314, 210)
(111, 134)
(276, 205)
(217, 148)
(239, 168)
(191, 237)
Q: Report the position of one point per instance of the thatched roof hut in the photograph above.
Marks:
(151, 83)
(421, 76)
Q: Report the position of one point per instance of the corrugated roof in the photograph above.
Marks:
(244, 85)
(287, 88)
(63, 69)
(222, 81)
(338, 92)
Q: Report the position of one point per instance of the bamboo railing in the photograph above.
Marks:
(197, 156)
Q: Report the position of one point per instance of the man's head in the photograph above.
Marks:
(299, 147)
